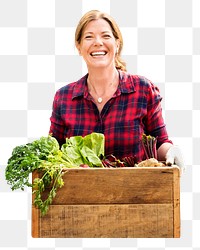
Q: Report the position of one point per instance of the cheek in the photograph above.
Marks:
(113, 47)
(84, 48)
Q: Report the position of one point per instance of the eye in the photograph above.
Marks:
(88, 37)
(106, 36)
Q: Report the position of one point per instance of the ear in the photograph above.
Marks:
(78, 48)
(117, 45)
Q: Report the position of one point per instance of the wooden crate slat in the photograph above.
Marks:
(130, 185)
(113, 203)
(83, 221)
(176, 203)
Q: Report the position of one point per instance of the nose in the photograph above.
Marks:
(98, 41)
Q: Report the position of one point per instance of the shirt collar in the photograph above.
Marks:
(126, 85)
(80, 87)
(126, 82)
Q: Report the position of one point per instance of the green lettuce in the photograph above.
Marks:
(84, 150)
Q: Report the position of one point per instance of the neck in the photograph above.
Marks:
(101, 79)
(102, 86)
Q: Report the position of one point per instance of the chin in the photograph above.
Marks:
(101, 65)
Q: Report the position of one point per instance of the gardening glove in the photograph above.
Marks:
(174, 156)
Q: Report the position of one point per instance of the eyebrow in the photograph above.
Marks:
(103, 32)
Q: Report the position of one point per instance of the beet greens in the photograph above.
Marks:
(149, 146)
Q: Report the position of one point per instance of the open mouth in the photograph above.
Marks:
(98, 53)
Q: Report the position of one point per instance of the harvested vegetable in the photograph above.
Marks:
(130, 161)
(45, 156)
(26, 158)
(110, 161)
(149, 146)
(87, 150)
(152, 162)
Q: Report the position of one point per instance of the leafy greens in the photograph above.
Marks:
(45, 156)
(87, 150)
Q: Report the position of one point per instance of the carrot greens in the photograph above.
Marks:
(45, 156)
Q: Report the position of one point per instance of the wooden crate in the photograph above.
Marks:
(113, 203)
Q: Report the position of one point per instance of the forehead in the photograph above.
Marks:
(97, 25)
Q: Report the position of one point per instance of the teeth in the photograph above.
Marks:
(98, 53)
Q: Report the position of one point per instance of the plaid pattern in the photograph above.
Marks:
(134, 109)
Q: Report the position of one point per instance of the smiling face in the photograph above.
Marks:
(98, 45)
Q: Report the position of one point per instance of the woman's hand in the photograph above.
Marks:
(174, 156)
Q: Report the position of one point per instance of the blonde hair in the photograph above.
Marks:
(95, 15)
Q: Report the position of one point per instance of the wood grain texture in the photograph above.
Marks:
(176, 203)
(114, 203)
(152, 220)
(122, 185)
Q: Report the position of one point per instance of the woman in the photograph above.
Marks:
(108, 100)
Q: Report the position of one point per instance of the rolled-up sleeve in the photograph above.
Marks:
(155, 124)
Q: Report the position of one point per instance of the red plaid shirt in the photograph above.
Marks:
(134, 109)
